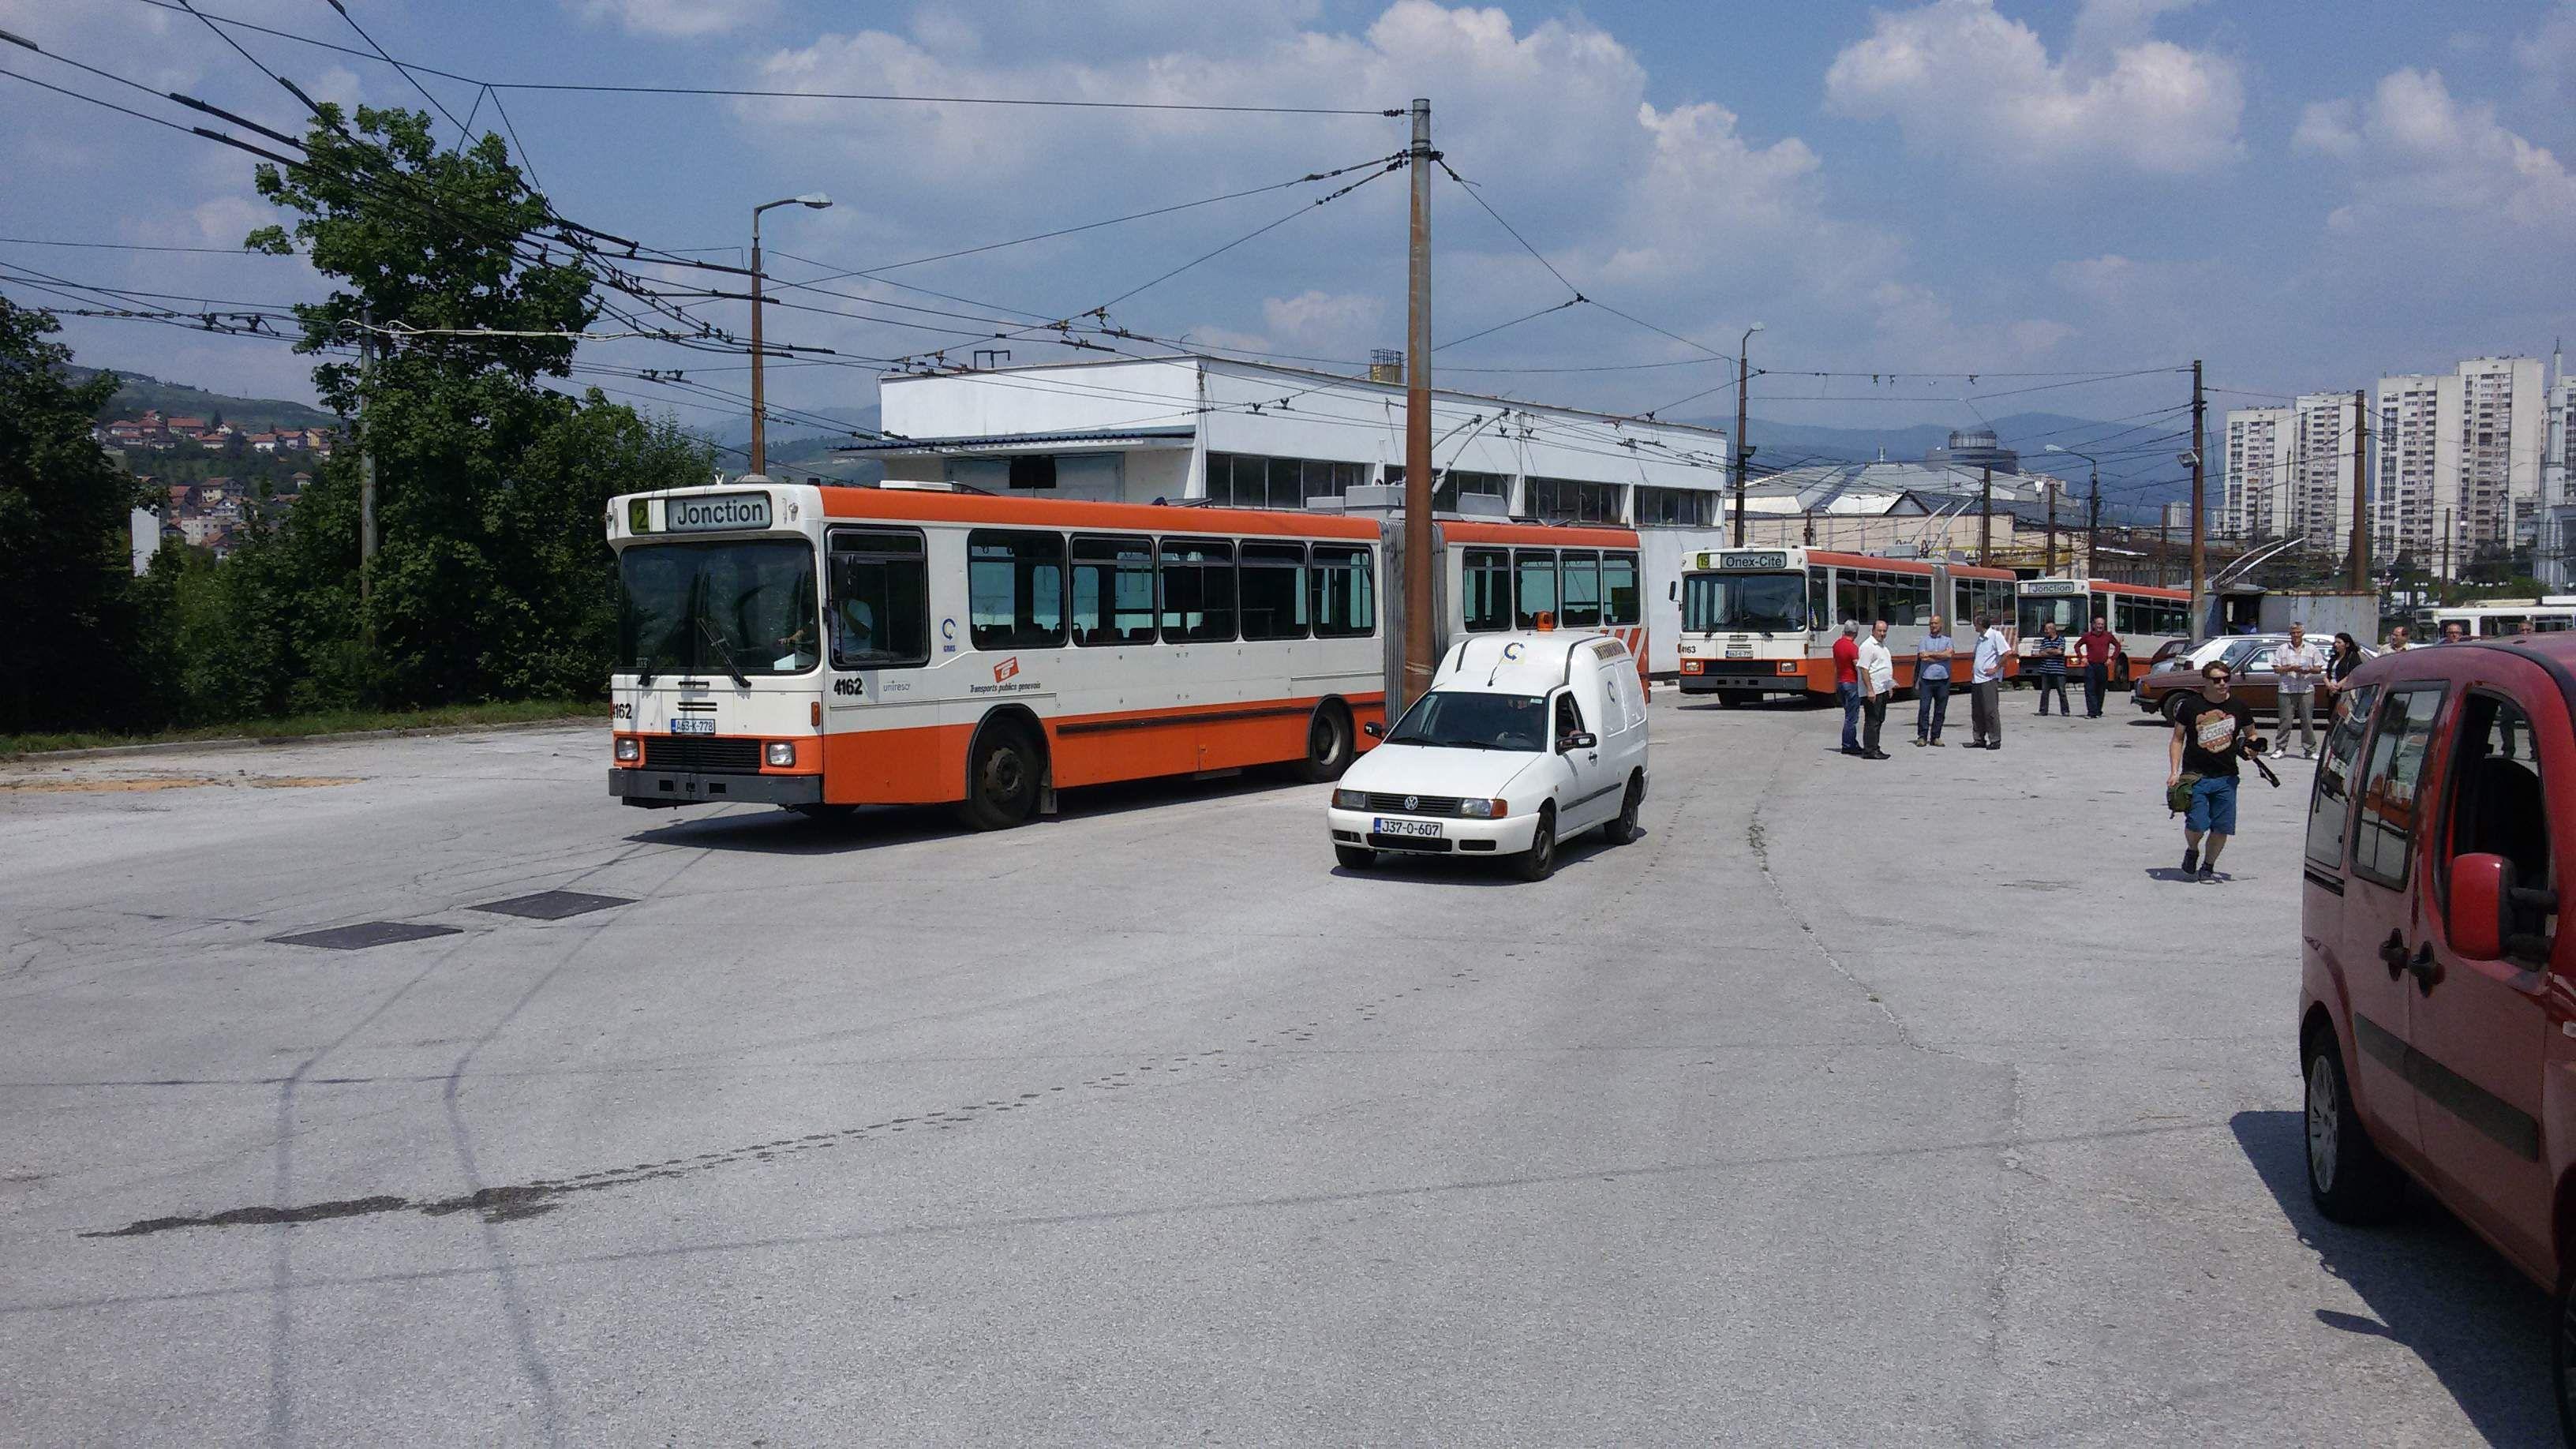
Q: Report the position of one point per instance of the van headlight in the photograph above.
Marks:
(1350, 800)
(1484, 809)
(629, 749)
(782, 754)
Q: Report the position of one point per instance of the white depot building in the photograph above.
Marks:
(1189, 428)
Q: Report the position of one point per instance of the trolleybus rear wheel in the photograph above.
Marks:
(1328, 745)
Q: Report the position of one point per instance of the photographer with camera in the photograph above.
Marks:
(2212, 730)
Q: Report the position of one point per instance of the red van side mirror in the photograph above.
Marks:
(2479, 884)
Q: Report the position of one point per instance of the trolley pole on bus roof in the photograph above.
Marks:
(1419, 635)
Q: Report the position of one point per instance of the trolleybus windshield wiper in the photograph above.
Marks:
(712, 637)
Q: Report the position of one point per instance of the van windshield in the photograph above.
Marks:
(1457, 719)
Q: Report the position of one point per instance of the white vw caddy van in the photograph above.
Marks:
(1522, 741)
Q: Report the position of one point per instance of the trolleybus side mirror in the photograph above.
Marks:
(1673, 590)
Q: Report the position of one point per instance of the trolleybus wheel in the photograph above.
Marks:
(1001, 779)
(827, 813)
(1355, 857)
(1624, 829)
(1539, 861)
(1328, 745)
(1731, 699)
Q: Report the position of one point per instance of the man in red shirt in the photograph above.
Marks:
(1847, 684)
(2098, 644)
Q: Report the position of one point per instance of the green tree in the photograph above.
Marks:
(65, 577)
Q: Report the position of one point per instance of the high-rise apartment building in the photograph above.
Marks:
(2255, 488)
(2501, 417)
(2415, 496)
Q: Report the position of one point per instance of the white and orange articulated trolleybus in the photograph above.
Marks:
(2142, 615)
(823, 648)
(1759, 621)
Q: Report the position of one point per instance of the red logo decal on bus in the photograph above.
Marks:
(1006, 669)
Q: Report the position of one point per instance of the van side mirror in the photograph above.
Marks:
(1374, 729)
(1582, 741)
(2480, 886)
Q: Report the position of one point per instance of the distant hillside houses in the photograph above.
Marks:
(207, 514)
(154, 431)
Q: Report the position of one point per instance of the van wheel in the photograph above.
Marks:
(2348, 1179)
(1328, 746)
(1001, 779)
(1624, 829)
(1539, 861)
(1355, 857)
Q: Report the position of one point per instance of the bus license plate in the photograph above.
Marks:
(1742, 651)
(693, 726)
(1428, 829)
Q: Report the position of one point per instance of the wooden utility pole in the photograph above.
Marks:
(2164, 551)
(1743, 454)
(2049, 569)
(1421, 639)
(2360, 497)
(366, 453)
(2199, 530)
(2446, 553)
(1986, 519)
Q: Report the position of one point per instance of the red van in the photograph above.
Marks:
(2437, 1001)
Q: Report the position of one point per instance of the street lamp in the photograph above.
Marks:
(1743, 454)
(760, 409)
(2093, 512)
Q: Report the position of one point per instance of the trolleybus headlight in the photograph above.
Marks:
(1484, 809)
(629, 749)
(1692, 666)
(1350, 800)
(782, 754)
(1788, 666)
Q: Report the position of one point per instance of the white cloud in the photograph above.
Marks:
(1961, 79)
(1317, 316)
(2548, 54)
(676, 19)
(2419, 151)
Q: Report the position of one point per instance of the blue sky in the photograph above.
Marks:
(2304, 194)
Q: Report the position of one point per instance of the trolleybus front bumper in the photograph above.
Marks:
(1741, 676)
(657, 789)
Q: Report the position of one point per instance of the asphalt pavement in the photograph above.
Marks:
(1893, 1102)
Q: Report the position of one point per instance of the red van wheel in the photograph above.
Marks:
(2348, 1179)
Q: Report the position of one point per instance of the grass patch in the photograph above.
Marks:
(327, 722)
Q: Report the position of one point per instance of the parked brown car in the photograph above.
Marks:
(2161, 689)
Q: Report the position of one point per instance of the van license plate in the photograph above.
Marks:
(1428, 829)
(693, 726)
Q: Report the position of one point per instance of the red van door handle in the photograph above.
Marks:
(2393, 952)
(2426, 970)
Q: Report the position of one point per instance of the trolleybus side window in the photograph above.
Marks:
(1621, 600)
(1113, 590)
(880, 612)
(1534, 584)
(1198, 590)
(1274, 590)
(1015, 589)
(1818, 580)
(1581, 573)
(1345, 592)
(1485, 582)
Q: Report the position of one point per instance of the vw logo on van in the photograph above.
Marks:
(1412, 802)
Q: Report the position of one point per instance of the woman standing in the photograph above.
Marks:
(2343, 659)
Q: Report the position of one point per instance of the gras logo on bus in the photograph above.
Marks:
(709, 512)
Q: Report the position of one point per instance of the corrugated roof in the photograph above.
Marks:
(1005, 442)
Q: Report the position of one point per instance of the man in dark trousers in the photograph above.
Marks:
(1985, 685)
(2048, 661)
(2099, 645)
(1847, 684)
(2212, 730)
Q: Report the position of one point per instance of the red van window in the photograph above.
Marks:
(2497, 808)
(2383, 845)
(2330, 808)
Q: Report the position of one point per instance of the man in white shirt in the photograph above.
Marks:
(2298, 664)
(1877, 682)
(1986, 685)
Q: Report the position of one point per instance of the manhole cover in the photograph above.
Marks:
(553, 905)
(364, 934)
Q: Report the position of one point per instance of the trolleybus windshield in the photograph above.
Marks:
(727, 608)
(1775, 602)
(2067, 610)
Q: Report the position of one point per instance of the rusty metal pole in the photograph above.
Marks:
(1420, 635)
(1986, 519)
(759, 409)
(2360, 497)
(2199, 530)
